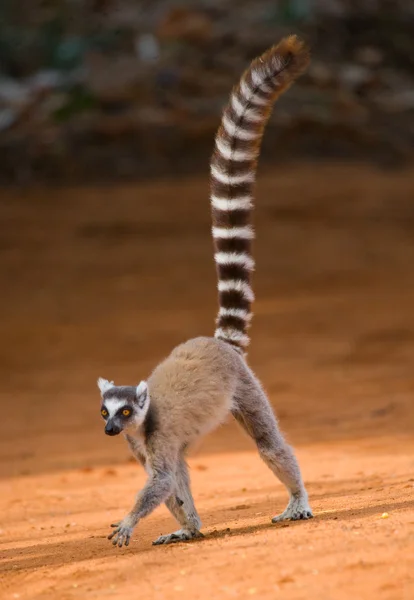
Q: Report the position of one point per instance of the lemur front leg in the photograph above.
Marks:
(181, 506)
(158, 488)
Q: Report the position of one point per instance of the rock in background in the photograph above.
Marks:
(108, 89)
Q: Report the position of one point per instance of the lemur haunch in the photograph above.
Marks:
(192, 391)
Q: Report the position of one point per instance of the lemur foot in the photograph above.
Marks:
(298, 508)
(182, 535)
(123, 531)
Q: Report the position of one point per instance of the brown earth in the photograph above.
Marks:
(106, 282)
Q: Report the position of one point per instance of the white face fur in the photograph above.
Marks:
(123, 407)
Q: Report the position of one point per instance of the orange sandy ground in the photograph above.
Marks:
(106, 282)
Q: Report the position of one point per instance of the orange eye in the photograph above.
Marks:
(104, 412)
(126, 412)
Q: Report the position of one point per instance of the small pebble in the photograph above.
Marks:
(110, 472)
(385, 516)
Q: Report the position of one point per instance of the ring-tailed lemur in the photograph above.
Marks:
(193, 390)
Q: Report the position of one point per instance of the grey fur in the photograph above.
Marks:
(189, 394)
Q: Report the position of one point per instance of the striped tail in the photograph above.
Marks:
(233, 172)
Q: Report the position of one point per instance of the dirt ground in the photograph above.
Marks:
(105, 282)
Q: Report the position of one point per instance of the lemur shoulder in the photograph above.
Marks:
(203, 380)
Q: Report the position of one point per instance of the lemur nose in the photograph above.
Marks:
(111, 430)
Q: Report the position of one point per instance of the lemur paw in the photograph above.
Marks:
(297, 509)
(182, 535)
(123, 531)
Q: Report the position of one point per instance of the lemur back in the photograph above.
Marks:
(192, 390)
(203, 380)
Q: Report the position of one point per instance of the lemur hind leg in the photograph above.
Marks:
(253, 412)
(181, 506)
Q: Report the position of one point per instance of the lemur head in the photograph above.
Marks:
(123, 407)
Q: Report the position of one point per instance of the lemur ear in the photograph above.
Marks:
(104, 385)
(141, 393)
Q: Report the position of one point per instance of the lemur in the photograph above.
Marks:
(204, 379)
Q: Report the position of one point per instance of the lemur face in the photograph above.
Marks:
(123, 407)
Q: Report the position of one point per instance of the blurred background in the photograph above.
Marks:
(109, 89)
(108, 110)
